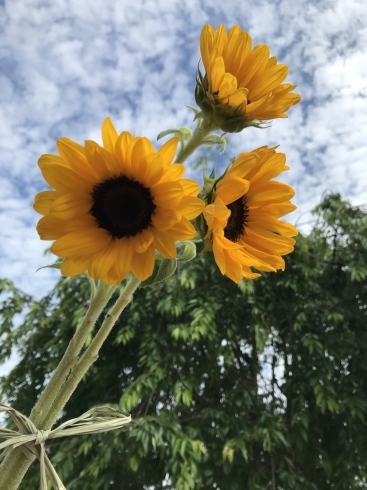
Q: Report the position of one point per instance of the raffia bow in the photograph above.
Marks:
(31, 440)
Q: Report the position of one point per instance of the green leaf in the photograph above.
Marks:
(163, 269)
(56, 265)
(215, 139)
(188, 253)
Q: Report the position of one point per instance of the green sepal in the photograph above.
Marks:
(212, 174)
(194, 110)
(188, 253)
(162, 269)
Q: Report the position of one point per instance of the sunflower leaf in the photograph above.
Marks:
(56, 265)
(188, 253)
(162, 269)
(183, 133)
(215, 139)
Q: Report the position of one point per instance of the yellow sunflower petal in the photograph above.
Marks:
(285, 229)
(168, 150)
(143, 263)
(96, 161)
(274, 165)
(48, 158)
(139, 164)
(155, 170)
(270, 193)
(70, 205)
(113, 276)
(191, 207)
(267, 81)
(74, 267)
(219, 256)
(74, 155)
(248, 274)
(268, 242)
(125, 255)
(164, 244)
(51, 228)
(142, 241)
(279, 209)
(233, 268)
(190, 187)
(64, 179)
(206, 46)
(174, 172)
(231, 189)
(43, 201)
(239, 47)
(243, 164)
(101, 262)
(121, 147)
(163, 218)
(216, 214)
(81, 242)
(109, 135)
(167, 194)
(255, 63)
(238, 98)
(182, 230)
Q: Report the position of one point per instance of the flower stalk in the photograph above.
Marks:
(203, 128)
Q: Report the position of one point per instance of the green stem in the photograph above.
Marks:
(91, 353)
(40, 410)
(201, 131)
(15, 465)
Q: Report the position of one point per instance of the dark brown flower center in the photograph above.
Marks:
(122, 206)
(237, 221)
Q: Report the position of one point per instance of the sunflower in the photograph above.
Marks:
(241, 84)
(113, 206)
(244, 230)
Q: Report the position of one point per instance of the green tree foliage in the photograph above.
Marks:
(262, 386)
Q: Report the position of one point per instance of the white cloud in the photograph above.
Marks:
(65, 66)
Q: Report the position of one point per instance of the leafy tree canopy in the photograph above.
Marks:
(262, 386)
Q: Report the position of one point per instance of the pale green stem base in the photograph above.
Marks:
(60, 388)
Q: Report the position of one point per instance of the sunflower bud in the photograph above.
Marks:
(225, 117)
(242, 86)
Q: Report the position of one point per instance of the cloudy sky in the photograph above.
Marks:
(67, 64)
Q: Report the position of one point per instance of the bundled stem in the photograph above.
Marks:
(62, 385)
(91, 354)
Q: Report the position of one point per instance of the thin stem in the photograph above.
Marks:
(16, 464)
(103, 294)
(201, 131)
(91, 353)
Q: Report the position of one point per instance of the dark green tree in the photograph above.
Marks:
(262, 386)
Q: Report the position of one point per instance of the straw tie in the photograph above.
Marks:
(31, 440)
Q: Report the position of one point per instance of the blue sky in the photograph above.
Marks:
(66, 65)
